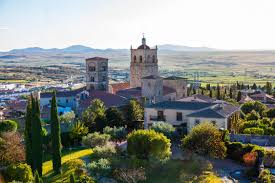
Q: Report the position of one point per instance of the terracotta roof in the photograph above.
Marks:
(108, 99)
(119, 86)
(167, 90)
(97, 58)
(245, 98)
(18, 105)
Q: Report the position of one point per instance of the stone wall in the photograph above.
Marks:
(262, 140)
(179, 84)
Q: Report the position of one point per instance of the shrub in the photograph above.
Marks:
(146, 143)
(67, 117)
(85, 179)
(19, 172)
(95, 139)
(253, 115)
(116, 133)
(254, 131)
(75, 166)
(78, 131)
(102, 167)
(130, 175)
(114, 117)
(270, 113)
(165, 128)
(205, 139)
(105, 151)
(249, 159)
(264, 176)
(8, 126)
(250, 106)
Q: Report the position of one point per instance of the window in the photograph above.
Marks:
(197, 121)
(91, 68)
(103, 78)
(140, 59)
(179, 116)
(104, 68)
(92, 79)
(135, 58)
(160, 116)
(154, 58)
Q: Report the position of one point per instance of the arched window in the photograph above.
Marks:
(135, 58)
(154, 58)
(104, 67)
(140, 59)
(92, 67)
(92, 79)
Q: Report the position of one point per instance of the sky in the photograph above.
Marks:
(222, 24)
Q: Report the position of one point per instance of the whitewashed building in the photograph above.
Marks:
(188, 114)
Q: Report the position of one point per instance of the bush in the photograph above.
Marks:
(167, 129)
(270, 113)
(102, 167)
(67, 117)
(253, 115)
(147, 143)
(130, 175)
(19, 172)
(78, 131)
(250, 106)
(116, 133)
(254, 131)
(8, 126)
(205, 139)
(264, 176)
(105, 151)
(95, 139)
(74, 166)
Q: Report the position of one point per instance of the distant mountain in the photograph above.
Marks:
(171, 47)
(86, 49)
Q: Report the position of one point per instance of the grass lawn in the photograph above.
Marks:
(13, 81)
(68, 155)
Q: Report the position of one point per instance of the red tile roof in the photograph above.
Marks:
(119, 86)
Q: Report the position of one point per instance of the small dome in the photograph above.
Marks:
(144, 46)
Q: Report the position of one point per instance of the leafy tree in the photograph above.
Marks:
(55, 136)
(95, 139)
(36, 135)
(27, 133)
(268, 87)
(11, 148)
(167, 129)
(67, 117)
(94, 117)
(148, 143)
(116, 133)
(133, 112)
(254, 130)
(253, 115)
(20, 172)
(254, 86)
(205, 139)
(78, 131)
(8, 126)
(239, 96)
(250, 106)
(114, 117)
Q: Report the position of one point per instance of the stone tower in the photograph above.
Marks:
(144, 62)
(97, 73)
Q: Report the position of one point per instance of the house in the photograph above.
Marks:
(263, 97)
(188, 114)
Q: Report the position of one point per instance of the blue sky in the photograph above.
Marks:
(225, 24)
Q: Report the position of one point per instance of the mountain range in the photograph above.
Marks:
(86, 49)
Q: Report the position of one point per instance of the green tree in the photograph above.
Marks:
(253, 105)
(268, 88)
(8, 126)
(271, 113)
(114, 117)
(20, 172)
(239, 96)
(231, 93)
(67, 117)
(133, 113)
(205, 139)
(219, 97)
(94, 117)
(148, 143)
(55, 137)
(253, 115)
(36, 135)
(254, 86)
(211, 93)
(27, 132)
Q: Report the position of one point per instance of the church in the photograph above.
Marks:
(145, 82)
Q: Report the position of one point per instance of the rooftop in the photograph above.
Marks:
(174, 78)
(182, 105)
(97, 58)
(152, 77)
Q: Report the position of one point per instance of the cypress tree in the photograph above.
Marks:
(230, 93)
(239, 96)
(27, 133)
(218, 92)
(211, 94)
(55, 136)
(36, 131)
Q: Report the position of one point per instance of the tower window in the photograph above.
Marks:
(91, 68)
(154, 58)
(140, 59)
(92, 79)
(135, 58)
